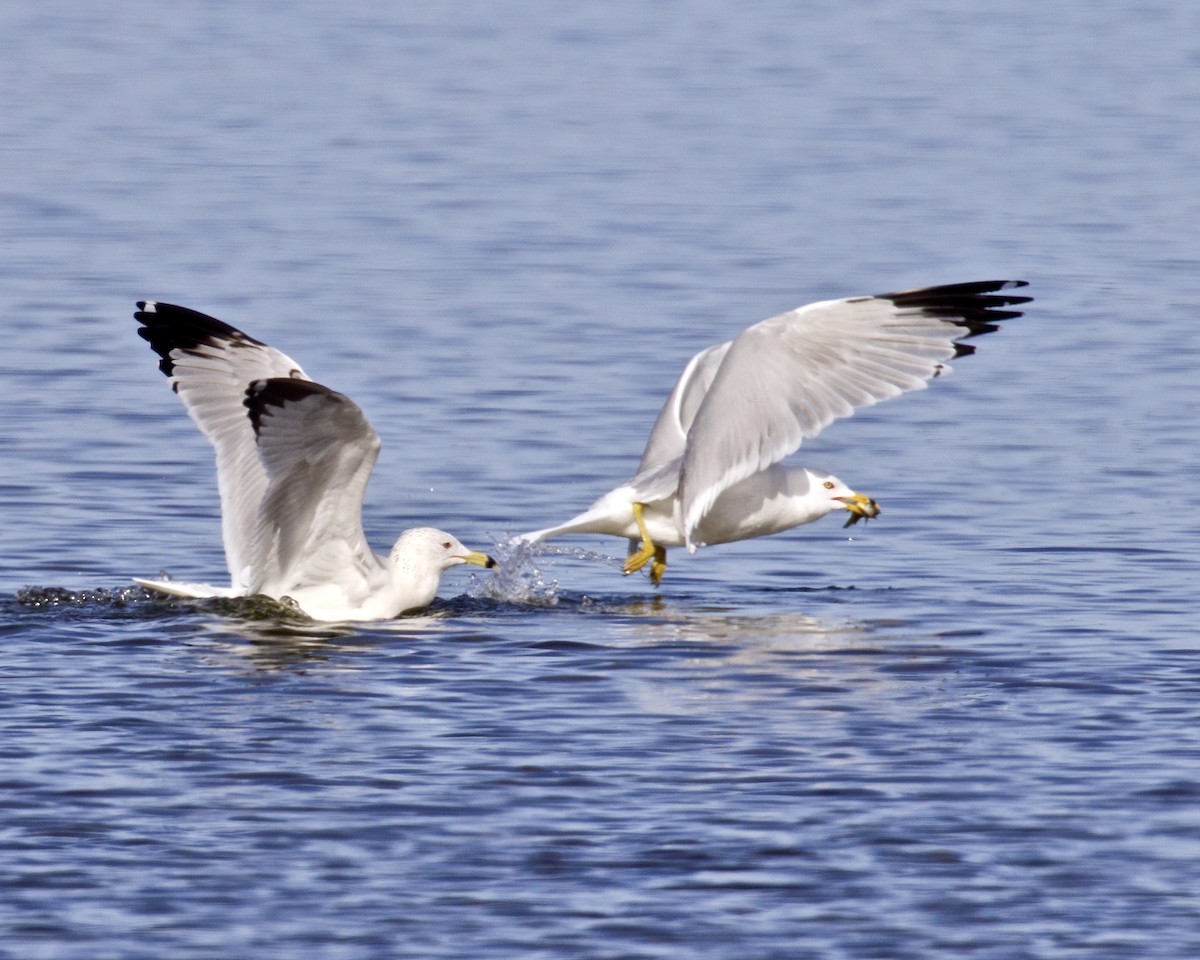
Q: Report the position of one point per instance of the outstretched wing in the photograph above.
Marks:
(784, 380)
(210, 365)
(318, 451)
(668, 436)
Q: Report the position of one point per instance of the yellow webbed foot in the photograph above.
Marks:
(659, 566)
(635, 561)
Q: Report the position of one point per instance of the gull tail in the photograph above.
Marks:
(597, 519)
(177, 588)
(537, 536)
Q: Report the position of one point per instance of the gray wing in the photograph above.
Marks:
(210, 365)
(318, 451)
(784, 380)
(668, 436)
(658, 472)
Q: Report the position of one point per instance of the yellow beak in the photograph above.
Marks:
(479, 559)
(861, 507)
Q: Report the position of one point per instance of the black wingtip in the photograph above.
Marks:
(977, 307)
(276, 392)
(168, 327)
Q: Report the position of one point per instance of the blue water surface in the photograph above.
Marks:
(968, 729)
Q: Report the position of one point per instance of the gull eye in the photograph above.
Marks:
(829, 484)
(446, 545)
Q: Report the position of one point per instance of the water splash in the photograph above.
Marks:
(137, 598)
(56, 597)
(516, 578)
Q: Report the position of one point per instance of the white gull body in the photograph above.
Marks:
(293, 461)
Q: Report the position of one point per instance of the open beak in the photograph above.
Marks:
(479, 559)
(861, 507)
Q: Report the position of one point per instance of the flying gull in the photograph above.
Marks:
(710, 472)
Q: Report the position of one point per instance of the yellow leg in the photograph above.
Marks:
(647, 552)
(638, 559)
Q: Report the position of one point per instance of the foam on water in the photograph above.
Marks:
(55, 597)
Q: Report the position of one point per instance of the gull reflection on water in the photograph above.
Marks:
(268, 636)
(694, 659)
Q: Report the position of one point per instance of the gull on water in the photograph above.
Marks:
(293, 460)
(710, 472)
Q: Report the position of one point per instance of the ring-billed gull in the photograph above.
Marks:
(710, 472)
(293, 460)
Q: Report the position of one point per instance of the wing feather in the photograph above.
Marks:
(668, 436)
(784, 380)
(318, 451)
(210, 364)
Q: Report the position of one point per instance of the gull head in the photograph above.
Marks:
(435, 548)
(860, 506)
